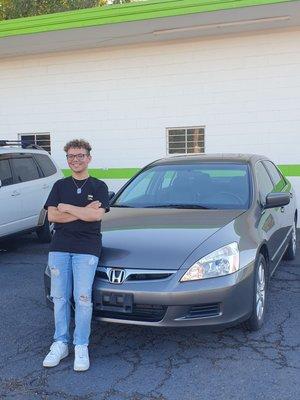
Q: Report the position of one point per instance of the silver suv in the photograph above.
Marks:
(27, 174)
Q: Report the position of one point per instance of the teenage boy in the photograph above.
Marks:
(77, 205)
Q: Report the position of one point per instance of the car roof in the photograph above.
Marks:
(18, 149)
(218, 157)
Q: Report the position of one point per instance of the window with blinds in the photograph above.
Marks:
(41, 139)
(186, 140)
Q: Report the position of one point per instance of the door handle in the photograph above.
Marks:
(15, 193)
(45, 186)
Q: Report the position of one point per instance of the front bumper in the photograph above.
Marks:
(214, 302)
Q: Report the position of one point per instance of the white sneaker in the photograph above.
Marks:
(58, 351)
(82, 361)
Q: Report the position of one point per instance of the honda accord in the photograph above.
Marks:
(194, 241)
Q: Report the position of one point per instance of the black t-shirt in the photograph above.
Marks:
(78, 236)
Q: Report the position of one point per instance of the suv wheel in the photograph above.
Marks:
(45, 232)
(256, 319)
(290, 253)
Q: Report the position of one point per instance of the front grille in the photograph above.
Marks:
(140, 312)
(204, 310)
(136, 275)
(147, 277)
(102, 275)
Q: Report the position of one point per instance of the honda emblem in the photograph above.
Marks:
(116, 276)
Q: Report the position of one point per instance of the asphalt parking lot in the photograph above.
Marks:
(137, 363)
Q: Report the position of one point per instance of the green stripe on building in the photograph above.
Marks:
(110, 173)
(113, 14)
(127, 173)
(290, 169)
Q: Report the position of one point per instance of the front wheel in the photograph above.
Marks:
(45, 232)
(290, 253)
(256, 320)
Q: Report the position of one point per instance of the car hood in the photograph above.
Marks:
(157, 238)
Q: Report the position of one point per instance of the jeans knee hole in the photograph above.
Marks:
(84, 300)
(58, 298)
(92, 261)
(54, 271)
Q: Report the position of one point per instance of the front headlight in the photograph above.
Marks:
(223, 261)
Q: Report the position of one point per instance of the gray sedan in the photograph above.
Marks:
(193, 241)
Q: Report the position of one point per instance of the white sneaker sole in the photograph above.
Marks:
(48, 365)
(81, 368)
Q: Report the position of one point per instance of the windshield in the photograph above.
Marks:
(202, 185)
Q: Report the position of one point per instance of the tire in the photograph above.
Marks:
(45, 232)
(290, 253)
(256, 320)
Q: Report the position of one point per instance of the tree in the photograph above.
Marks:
(26, 8)
(120, 1)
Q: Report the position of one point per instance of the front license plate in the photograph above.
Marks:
(118, 302)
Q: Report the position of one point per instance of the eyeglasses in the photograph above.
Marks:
(79, 156)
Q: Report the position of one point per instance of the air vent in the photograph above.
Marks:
(140, 312)
(204, 310)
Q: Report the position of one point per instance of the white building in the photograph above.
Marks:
(220, 76)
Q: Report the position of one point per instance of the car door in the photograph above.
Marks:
(270, 220)
(50, 174)
(281, 185)
(10, 201)
(27, 175)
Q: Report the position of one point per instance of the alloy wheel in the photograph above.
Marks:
(260, 291)
(51, 228)
(294, 238)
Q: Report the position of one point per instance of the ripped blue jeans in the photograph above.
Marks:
(71, 272)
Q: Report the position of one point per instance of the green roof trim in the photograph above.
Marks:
(127, 173)
(114, 14)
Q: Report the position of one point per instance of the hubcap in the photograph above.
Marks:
(51, 228)
(294, 238)
(260, 292)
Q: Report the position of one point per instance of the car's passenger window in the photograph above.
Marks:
(277, 178)
(25, 169)
(5, 173)
(265, 184)
(46, 164)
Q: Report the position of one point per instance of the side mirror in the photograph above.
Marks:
(111, 195)
(280, 199)
(0, 183)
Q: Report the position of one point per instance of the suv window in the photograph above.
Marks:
(277, 178)
(5, 173)
(265, 184)
(45, 164)
(25, 169)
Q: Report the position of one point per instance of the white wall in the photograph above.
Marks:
(245, 90)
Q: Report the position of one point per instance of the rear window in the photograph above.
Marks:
(46, 165)
(5, 173)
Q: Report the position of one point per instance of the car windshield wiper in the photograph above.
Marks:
(193, 206)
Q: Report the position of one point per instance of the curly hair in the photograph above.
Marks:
(78, 144)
